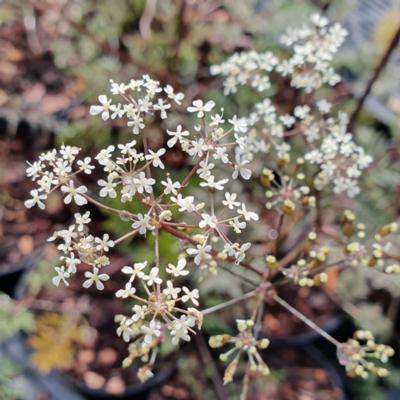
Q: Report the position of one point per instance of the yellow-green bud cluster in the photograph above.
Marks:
(243, 343)
(360, 354)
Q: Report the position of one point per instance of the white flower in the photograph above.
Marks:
(179, 330)
(185, 203)
(104, 244)
(201, 108)
(153, 277)
(179, 269)
(103, 108)
(85, 165)
(128, 291)
(176, 135)
(94, 277)
(171, 187)
(151, 331)
(162, 106)
(143, 183)
(239, 124)
(240, 163)
(170, 291)
(248, 215)
(155, 158)
(61, 276)
(208, 220)
(142, 223)
(191, 295)
(136, 122)
(82, 220)
(177, 97)
(301, 111)
(237, 225)
(108, 187)
(212, 183)
(241, 253)
(36, 200)
(117, 88)
(71, 262)
(324, 106)
(230, 201)
(136, 271)
(200, 253)
(34, 170)
(74, 193)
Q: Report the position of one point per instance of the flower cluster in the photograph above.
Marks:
(54, 170)
(313, 49)
(143, 97)
(286, 192)
(358, 355)
(331, 147)
(208, 210)
(340, 159)
(160, 311)
(361, 250)
(244, 343)
(77, 247)
(247, 68)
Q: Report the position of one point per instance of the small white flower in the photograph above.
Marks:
(230, 200)
(177, 97)
(179, 269)
(108, 187)
(248, 215)
(94, 277)
(171, 187)
(208, 220)
(103, 108)
(136, 271)
(170, 291)
(142, 223)
(71, 262)
(191, 295)
(82, 220)
(154, 157)
(104, 243)
(240, 169)
(151, 331)
(85, 165)
(128, 291)
(62, 276)
(238, 124)
(200, 253)
(177, 135)
(36, 200)
(153, 277)
(200, 108)
(74, 193)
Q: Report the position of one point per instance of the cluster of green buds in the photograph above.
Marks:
(303, 273)
(360, 353)
(286, 192)
(373, 253)
(244, 342)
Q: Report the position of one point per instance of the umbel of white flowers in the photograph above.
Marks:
(208, 216)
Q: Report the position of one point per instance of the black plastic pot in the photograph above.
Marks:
(137, 391)
(10, 279)
(60, 386)
(331, 367)
(310, 337)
